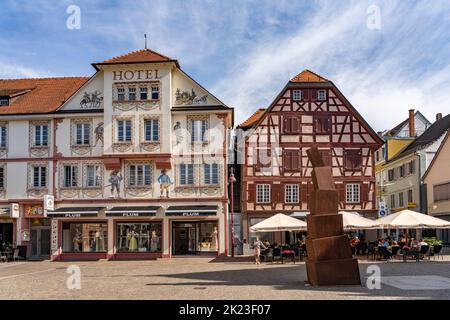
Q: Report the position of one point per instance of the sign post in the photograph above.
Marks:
(381, 209)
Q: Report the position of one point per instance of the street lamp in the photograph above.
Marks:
(231, 181)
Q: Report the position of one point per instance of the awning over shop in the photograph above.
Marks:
(143, 211)
(189, 211)
(75, 212)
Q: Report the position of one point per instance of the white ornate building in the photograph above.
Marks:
(100, 145)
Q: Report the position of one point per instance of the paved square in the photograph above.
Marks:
(418, 282)
(209, 279)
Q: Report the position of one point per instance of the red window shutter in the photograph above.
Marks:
(304, 193)
(251, 195)
(286, 160)
(313, 94)
(305, 95)
(277, 193)
(295, 126)
(286, 125)
(341, 192)
(364, 192)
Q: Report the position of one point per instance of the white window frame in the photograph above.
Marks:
(211, 172)
(4, 102)
(352, 193)
(39, 184)
(124, 127)
(143, 90)
(3, 185)
(151, 120)
(132, 90)
(73, 176)
(121, 92)
(41, 135)
(154, 89)
(139, 170)
(297, 95)
(97, 178)
(291, 193)
(3, 137)
(321, 95)
(186, 178)
(263, 193)
(197, 134)
(83, 133)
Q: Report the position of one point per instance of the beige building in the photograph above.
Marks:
(437, 183)
(135, 157)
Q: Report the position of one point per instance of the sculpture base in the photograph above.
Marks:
(333, 272)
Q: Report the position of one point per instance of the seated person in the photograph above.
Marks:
(415, 244)
(386, 252)
(266, 243)
(354, 244)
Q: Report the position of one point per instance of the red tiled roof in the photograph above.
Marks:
(139, 56)
(39, 95)
(252, 119)
(308, 76)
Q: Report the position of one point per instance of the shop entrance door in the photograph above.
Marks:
(183, 239)
(40, 242)
(6, 234)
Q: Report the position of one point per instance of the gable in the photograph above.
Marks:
(439, 169)
(347, 125)
(89, 97)
(187, 92)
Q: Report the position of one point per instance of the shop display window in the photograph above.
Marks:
(84, 237)
(138, 236)
(207, 236)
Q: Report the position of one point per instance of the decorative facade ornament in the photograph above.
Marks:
(99, 130)
(114, 180)
(91, 100)
(164, 183)
(186, 98)
(178, 132)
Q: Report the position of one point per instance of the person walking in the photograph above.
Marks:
(257, 245)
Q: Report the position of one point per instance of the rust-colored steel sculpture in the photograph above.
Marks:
(330, 260)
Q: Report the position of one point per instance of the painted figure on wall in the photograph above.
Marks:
(164, 183)
(115, 180)
(178, 132)
(99, 133)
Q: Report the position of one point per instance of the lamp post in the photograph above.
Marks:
(231, 181)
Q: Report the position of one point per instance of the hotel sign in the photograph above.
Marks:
(136, 75)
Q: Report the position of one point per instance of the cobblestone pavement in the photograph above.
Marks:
(201, 278)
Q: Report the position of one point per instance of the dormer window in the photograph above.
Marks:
(321, 95)
(137, 91)
(4, 102)
(297, 95)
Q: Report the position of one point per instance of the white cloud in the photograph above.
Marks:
(11, 71)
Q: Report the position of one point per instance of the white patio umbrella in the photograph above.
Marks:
(279, 222)
(354, 221)
(408, 219)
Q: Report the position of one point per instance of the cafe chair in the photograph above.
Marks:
(16, 256)
(3, 257)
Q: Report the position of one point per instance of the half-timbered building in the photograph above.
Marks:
(276, 174)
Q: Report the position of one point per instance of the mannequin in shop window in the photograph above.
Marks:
(77, 241)
(98, 241)
(132, 238)
(143, 239)
(154, 242)
(215, 240)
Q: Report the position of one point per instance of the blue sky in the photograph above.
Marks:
(245, 51)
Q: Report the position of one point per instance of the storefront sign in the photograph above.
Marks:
(72, 215)
(136, 75)
(15, 210)
(49, 202)
(26, 235)
(5, 211)
(130, 214)
(54, 229)
(190, 213)
(35, 211)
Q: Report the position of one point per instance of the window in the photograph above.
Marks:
(391, 174)
(441, 192)
(321, 95)
(326, 157)
(377, 155)
(292, 160)
(263, 193)
(84, 237)
(410, 196)
(393, 201)
(411, 167)
(211, 173)
(143, 93)
(2, 177)
(121, 94)
(83, 133)
(41, 135)
(401, 200)
(3, 136)
(124, 130)
(401, 171)
(70, 176)
(131, 94)
(198, 129)
(139, 236)
(322, 124)
(291, 125)
(155, 92)
(291, 193)
(151, 127)
(93, 176)
(297, 95)
(39, 177)
(186, 174)
(4, 102)
(352, 160)
(139, 175)
(352, 194)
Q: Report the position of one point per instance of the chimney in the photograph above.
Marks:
(438, 116)
(412, 129)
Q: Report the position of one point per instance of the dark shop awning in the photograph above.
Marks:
(188, 211)
(75, 212)
(145, 211)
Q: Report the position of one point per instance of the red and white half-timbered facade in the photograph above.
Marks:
(276, 173)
